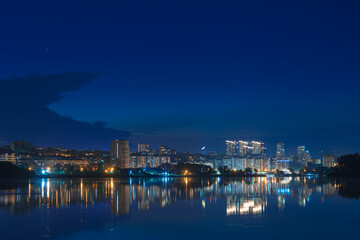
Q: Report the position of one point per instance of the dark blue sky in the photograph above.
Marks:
(181, 73)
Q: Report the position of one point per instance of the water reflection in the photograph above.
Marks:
(243, 196)
(57, 208)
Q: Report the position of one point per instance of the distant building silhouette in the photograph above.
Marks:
(165, 150)
(21, 146)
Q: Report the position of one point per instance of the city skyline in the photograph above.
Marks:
(181, 74)
(179, 120)
(231, 148)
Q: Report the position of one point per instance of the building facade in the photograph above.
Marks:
(282, 164)
(143, 148)
(280, 151)
(230, 147)
(8, 157)
(244, 148)
(147, 161)
(238, 163)
(120, 153)
(328, 160)
(302, 154)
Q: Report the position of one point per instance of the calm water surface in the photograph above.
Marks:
(181, 208)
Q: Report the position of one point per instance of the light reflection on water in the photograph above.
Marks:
(243, 196)
(46, 201)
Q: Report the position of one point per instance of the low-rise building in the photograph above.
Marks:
(328, 160)
(261, 164)
(8, 157)
(147, 161)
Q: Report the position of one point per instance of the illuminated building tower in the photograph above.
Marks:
(120, 153)
(143, 148)
(280, 151)
(244, 148)
(258, 148)
(302, 154)
(230, 147)
(328, 160)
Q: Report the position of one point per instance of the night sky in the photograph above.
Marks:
(79, 74)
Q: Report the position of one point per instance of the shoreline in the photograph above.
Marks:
(154, 177)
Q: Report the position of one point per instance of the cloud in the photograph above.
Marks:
(25, 114)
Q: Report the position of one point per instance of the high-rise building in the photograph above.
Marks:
(280, 151)
(143, 148)
(328, 160)
(302, 154)
(230, 147)
(258, 148)
(243, 148)
(120, 153)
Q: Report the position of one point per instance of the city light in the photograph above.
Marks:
(242, 158)
(179, 120)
